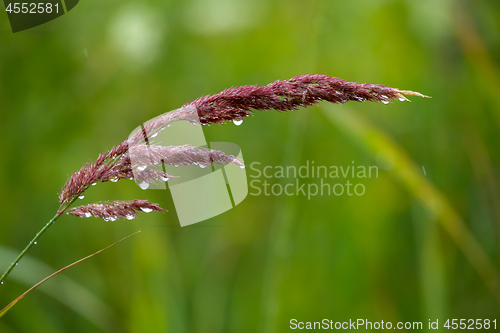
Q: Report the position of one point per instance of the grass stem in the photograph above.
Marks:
(26, 249)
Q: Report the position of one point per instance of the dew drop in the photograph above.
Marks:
(242, 166)
(87, 214)
(146, 210)
(81, 197)
(94, 184)
(35, 243)
(385, 101)
(114, 179)
(130, 217)
(17, 263)
(203, 166)
(112, 218)
(154, 135)
(164, 179)
(238, 122)
(144, 185)
(1, 282)
(142, 167)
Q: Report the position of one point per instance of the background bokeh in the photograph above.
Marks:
(415, 247)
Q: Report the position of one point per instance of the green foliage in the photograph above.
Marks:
(80, 84)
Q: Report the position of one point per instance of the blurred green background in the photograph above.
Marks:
(414, 247)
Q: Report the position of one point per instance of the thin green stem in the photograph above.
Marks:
(60, 211)
(33, 242)
(2, 312)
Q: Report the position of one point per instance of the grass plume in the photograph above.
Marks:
(232, 104)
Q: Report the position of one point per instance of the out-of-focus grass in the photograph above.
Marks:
(80, 84)
(72, 294)
(412, 177)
